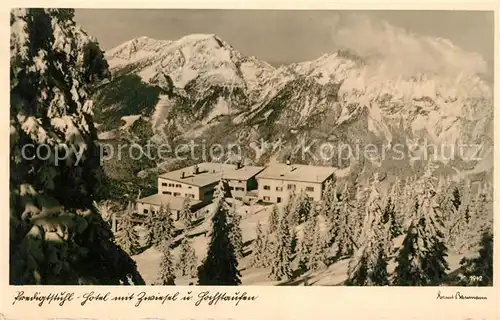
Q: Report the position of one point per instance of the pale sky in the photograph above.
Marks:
(281, 36)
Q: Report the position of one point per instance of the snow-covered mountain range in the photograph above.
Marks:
(200, 85)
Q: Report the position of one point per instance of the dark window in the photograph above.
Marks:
(177, 194)
(279, 188)
(266, 198)
(145, 211)
(291, 187)
(164, 184)
(267, 188)
(309, 188)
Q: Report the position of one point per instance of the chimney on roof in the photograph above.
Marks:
(288, 162)
(239, 165)
(196, 170)
(183, 174)
(293, 168)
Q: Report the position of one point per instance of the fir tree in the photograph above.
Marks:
(187, 259)
(291, 210)
(127, 237)
(389, 218)
(344, 239)
(259, 247)
(281, 266)
(318, 255)
(221, 193)
(220, 266)
(479, 271)
(329, 199)
(305, 246)
(148, 225)
(54, 66)
(368, 266)
(166, 273)
(162, 225)
(293, 243)
(303, 207)
(186, 215)
(421, 260)
(273, 221)
(409, 271)
(234, 223)
(269, 245)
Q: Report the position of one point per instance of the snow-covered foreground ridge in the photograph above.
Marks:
(449, 107)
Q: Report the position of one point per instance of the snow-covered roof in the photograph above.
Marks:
(297, 172)
(210, 173)
(175, 203)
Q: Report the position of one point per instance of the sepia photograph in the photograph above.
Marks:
(223, 147)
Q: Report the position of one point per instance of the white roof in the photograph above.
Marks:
(297, 172)
(210, 173)
(175, 203)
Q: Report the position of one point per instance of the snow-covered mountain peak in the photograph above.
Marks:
(204, 57)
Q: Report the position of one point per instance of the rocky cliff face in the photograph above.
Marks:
(201, 87)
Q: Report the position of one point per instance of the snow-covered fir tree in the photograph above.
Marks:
(329, 199)
(273, 220)
(186, 215)
(220, 196)
(408, 203)
(166, 273)
(463, 226)
(290, 211)
(397, 202)
(161, 225)
(259, 247)
(126, 236)
(421, 260)
(481, 220)
(221, 193)
(293, 243)
(305, 245)
(303, 205)
(478, 271)
(188, 261)
(368, 265)
(281, 268)
(220, 266)
(269, 245)
(344, 239)
(318, 255)
(390, 218)
(234, 223)
(56, 233)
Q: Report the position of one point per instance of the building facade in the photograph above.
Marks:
(277, 182)
(197, 183)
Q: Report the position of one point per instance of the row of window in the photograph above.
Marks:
(267, 198)
(178, 194)
(174, 185)
(237, 188)
(289, 187)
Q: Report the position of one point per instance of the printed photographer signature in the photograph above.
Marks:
(459, 296)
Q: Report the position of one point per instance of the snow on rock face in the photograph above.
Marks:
(130, 120)
(202, 57)
(448, 107)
